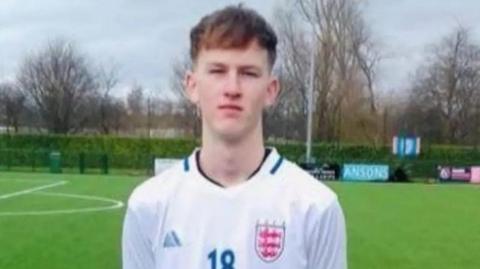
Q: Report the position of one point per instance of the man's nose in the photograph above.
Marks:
(233, 86)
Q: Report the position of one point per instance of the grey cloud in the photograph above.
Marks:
(143, 37)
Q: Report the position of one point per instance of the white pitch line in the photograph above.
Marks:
(26, 180)
(115, 204)
(27, 191)
(82, 196)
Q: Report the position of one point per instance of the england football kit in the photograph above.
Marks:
(281, 218)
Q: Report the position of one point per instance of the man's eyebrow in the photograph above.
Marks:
(254, 67)
(241, 67)
(216, 64)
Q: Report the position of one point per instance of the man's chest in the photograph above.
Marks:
(256, 231)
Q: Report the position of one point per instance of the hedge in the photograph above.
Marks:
(137, 153)
(98, 144)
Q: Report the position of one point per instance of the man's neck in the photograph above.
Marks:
(230, 164)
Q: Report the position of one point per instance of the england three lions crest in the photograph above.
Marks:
(269, 240)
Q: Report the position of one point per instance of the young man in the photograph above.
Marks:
(233, 203)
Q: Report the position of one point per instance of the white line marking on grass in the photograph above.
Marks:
(27, 180)
(27, 191)
(114, 205)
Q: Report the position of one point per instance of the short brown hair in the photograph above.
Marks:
(233, 27)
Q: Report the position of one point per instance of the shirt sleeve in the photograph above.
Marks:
(137, 251)
(326, 238)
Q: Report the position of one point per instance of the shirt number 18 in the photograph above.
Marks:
(227, 259)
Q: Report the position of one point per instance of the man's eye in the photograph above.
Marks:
(216, 71)
(250, 74)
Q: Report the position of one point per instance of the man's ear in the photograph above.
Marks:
(190, 85)
(272, 92)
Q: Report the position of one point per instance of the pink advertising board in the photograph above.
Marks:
(475, 174)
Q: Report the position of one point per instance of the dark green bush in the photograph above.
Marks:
(138, 153)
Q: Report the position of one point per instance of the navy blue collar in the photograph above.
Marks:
(200, 170)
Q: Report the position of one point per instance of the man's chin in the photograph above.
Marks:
(230, 136)
(231, 132)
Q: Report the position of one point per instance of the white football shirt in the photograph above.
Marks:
(280, 218)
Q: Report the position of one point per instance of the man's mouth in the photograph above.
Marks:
(230, 107)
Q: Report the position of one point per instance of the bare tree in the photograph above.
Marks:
(156, 106)
(119, 115)
(136, 100)
(335, 34)
(286, 120)
(186, 113)
(367, 56)
(150, 115)
(60, 82)
(136, 104)
(12, 105)
(108, 105)
(446, 89)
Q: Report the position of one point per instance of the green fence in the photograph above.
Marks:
(74, 162)
(103, 163)
(110, 154)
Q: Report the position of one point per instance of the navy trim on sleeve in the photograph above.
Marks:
(186, 167)
(276, 166)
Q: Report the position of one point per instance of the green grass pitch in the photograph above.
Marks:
(74, 221)
(411, 225)
(62, 240)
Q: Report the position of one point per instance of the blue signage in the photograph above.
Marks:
(365, 172)
(408, 146)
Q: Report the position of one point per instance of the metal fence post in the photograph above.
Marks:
(81, 162)
(104, 163)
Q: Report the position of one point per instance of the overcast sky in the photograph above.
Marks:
(143, 37)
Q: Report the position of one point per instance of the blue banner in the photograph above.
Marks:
(365, 172)
(406, 146)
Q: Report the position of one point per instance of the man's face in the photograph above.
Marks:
(232, 87)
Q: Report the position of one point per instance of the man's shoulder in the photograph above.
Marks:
(157, 188)
(307, 188)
